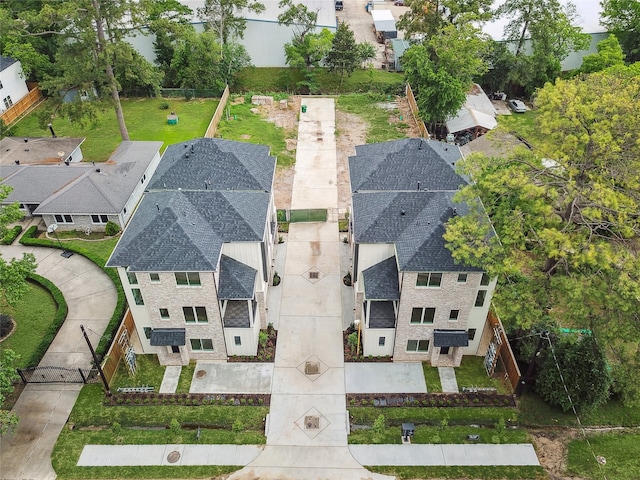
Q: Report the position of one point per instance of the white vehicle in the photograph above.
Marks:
(517, 106)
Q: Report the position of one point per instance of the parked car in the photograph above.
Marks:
(339, 5)
(517, 106)
(399, 3)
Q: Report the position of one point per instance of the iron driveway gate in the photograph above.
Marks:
(58, 375)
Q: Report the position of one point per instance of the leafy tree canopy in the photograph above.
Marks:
(8, 420)
(622, 17)
(226, 17)
(609, 54)
(345, 54)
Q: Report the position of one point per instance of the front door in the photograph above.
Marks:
(444, 350)
(175, 349)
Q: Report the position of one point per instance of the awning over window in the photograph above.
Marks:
(168, 337)
(450, 338)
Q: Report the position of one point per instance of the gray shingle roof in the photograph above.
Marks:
(167, 337)
(213, 163)
(237, 280)
(185, 230)
(37, 150)
(6, 62)
(403, 164)
(450, 338)
(381, 281)
(34, 184)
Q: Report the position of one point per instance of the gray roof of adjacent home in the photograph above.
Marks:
(381, 281)
(237, 280)
(106, 187)
(213, 163)
(494, 144)
(34, 184)
(183, 230)
(406, 164)
(6, 62)
(37, 150)
(389, 208)
(450, 338)
(168, 337)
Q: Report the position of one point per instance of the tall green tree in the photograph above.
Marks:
(441, 69)
(426, 18)
(609, 54)
(8, 375)
(345, 54)
(622, 18)
(566, 215)
(226, 16)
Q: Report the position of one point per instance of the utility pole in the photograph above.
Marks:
(96, 362)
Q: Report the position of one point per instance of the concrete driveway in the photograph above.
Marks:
(44, 408)
(385, 378)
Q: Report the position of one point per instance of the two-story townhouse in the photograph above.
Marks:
(195, 258)
(413, 301)
(12, 83)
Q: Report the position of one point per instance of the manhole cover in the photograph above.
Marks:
(201, 373)
(312, 368)
(314, 275)
(312, 422)
(173, 457)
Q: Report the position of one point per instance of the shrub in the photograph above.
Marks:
(6, 324)
(11, 235)
(276, 279)
(164, 106)
(237, 426)
(111, 229)
(379, 426)
(352, 340)
(175, 427)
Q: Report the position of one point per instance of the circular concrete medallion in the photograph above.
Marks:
(201, 373)
(173, 457)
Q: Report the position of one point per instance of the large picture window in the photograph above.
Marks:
(417, 346)
(423, 315)
(195, 314)
(187, 279)
(433, 280)
(201, 344)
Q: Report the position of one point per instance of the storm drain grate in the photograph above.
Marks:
(314, 275)
(312, 422)
(312, 368)
(173, 457)
(201, 373)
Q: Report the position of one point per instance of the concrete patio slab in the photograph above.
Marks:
(293, 381)
(300, 338)
(385, 378)
(170, 379)
(232, 378)
(448, 379)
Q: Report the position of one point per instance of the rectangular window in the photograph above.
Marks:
(429, 280)
(381, 341)
(482, 295)
(417, 346)
(453, 315)
(203, 344)
(164, 314)
(154, 277)
(137, 296)
(423, 315)
(195, 314)
(131, 276)
(7, 102)
(237, 341)
(471, 333)
(462, 278)
(147, 332)
(191, 279)
(63, 218)
(484, 281)
(99, 219)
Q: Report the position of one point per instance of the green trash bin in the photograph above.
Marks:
(304, 109)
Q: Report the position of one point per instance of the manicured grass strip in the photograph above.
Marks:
(619, 450)
(431, 378)
(438, 435)
(98, 253)
(38, 318)
(186, 375)
(535, 412)
(245, 126)
(471, 373)
(90, 410)
(395, 416)
(489, 473)
(379, 128)
(145, 121)
(149, 373)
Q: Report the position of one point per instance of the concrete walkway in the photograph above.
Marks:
(44, 408)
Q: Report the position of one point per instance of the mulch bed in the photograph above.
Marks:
(188, 399)
(266, 353)
(475, 399)
(350, 353)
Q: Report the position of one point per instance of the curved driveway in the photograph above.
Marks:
(44, 408)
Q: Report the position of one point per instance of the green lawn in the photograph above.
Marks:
(522, 124)
(368, 107)
(95, 249)
(619, 450)
(440, 435)
(149, 373)
(244, 126)
(33, 318)
(395, 416)
(471, 373)
(186, 375)
(458, 473)
(431, 378)
(145, 121)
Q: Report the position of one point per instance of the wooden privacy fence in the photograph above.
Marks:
(500, 350)
(215, 120)
(22, 107)
(414, 110)
(116, 352)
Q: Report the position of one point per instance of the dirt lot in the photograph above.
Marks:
(351, 130)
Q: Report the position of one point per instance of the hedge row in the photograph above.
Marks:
(189, 399)
(29, 239)
(468, 399)
(11, 235)
(58, 319)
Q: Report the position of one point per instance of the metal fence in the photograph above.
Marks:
(310, 215)
(58, 375)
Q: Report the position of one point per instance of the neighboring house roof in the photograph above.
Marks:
(6, 62)
(381, 281)
(477, 111)
(106, 187)
(40, 151)
(237, 280)
(33, 184)
(406, 164)
(383, 20)
(184, 230)
(450, 338)
(389, 208)
(493, 144)
(213, 163)
(168, 337)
